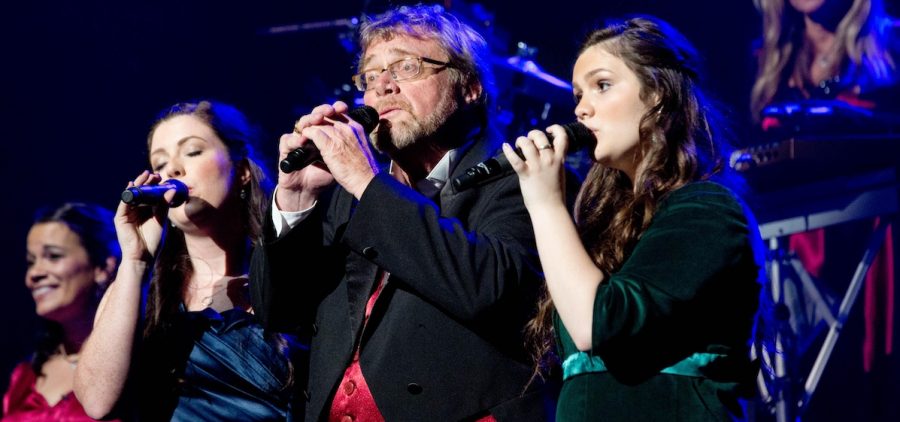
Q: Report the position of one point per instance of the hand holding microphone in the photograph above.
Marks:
(301, 157)
(155, 194)
(579, 136)
(139, 228)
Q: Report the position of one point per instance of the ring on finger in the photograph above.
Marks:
(547, 146)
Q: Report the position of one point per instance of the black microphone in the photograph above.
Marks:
(579, 136)
(153, 194)
(301, 157)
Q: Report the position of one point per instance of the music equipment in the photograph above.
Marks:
(804, 183)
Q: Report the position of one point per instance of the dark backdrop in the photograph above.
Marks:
(82, 82)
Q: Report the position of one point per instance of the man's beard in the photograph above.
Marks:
(408, 132)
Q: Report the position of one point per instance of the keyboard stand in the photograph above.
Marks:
(796, 210)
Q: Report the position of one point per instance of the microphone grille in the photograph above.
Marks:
(127, 196)
(366, 116)
(579, 136)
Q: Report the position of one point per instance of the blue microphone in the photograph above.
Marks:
(153, 194)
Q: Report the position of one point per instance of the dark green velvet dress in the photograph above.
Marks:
(671, 329)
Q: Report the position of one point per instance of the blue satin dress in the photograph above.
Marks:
(211, 366)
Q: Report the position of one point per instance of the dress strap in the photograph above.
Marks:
(582, 363)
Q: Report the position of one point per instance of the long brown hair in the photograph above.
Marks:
(173, 267)
(860, 37)
(680, 141)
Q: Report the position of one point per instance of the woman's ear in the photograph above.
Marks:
(103, 275)
(657, 104)
(656, 100)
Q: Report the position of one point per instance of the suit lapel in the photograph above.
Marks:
(360, 279)
(359, 272)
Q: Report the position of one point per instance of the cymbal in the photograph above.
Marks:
(528, 67)
(517, 76)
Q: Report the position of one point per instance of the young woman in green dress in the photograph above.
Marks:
(656, 283)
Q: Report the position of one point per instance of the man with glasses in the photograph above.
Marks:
(414, 296)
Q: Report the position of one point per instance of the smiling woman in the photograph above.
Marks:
(72, 256)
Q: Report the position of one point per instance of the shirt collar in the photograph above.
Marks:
(440, 174)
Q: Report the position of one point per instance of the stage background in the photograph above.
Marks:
(82, 82)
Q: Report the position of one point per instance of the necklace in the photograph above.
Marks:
(825, 58)
(209, 299)
(212, 275)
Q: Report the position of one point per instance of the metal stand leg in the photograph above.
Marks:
(875, 242)
(780, 392)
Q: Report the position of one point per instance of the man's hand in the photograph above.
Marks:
(344, 147)
(298, 190)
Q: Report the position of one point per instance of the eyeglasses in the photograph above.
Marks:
(400, 70)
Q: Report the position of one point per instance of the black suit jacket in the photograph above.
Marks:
(444, 341)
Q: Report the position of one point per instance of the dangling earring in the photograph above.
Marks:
(245, 193)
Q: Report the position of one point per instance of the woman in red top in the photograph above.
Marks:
(72, 257)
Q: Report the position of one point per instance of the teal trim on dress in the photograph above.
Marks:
(583, 363)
